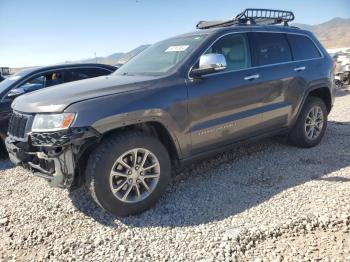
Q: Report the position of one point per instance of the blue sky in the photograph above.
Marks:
(41, 32)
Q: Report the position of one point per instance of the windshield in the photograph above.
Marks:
(4, 85)
(161, 57)
(8, 81)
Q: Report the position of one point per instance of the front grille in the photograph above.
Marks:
(17, 125)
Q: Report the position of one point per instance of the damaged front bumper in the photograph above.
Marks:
(53, 156)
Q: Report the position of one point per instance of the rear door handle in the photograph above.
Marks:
(298, 69)
(252, 77)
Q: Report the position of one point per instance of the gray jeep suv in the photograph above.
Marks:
(185, 97)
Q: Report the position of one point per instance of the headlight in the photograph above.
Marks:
(52, 122)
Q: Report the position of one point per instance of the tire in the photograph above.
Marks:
(298, 135)
(106, 158)
(3, 150)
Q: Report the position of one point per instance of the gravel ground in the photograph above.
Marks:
(263, 202)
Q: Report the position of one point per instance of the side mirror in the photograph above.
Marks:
(209, 63)
(16, 92)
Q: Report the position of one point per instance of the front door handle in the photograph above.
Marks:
(252, 77)
(298, 69)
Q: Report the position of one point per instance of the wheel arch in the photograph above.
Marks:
(322, 92)
(153, 128)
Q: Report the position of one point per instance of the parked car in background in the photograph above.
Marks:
(33, 79)
(180, 99)
(342, 70)
(4, 71)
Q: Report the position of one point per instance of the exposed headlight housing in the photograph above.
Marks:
(52, 122)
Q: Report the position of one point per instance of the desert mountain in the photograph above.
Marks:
(116, 58)
(333, 34)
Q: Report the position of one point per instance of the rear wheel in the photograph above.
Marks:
(128, 173)
(311, 124)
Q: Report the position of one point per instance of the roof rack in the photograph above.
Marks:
(252, 16)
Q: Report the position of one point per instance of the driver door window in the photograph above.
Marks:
(54, 78)
(235, 49)
(33, 84)
(42, 81)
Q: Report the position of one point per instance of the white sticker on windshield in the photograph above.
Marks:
(177, 48)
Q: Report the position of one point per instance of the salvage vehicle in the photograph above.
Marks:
(33, 79)
(342, 80)
(342, 72)
(229, 82)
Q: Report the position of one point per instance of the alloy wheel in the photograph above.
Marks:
(314, 123)
(135, 175)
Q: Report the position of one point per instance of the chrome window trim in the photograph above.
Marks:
(255, 67)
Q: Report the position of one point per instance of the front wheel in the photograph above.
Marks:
(128, 173)
(311, 124)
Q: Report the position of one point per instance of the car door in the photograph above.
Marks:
(225, 106)
(308, 67)
(273, 56)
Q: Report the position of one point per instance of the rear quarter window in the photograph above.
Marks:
(270, 48)
(303, 47)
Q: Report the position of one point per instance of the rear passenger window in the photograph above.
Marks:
(84, 73)
(303, 47)
(235, 49)
(270, 48)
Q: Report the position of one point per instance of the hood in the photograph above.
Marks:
(57, 98)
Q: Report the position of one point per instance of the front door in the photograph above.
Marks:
(225, 106)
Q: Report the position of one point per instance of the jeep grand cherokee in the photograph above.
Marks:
(182, 98)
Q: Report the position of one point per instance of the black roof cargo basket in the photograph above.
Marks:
(252, 16)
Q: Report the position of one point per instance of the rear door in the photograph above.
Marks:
(308, 66)
(272, 55)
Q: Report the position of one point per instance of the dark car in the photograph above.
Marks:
(1, 78)
(182, 98)
(34, 79)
